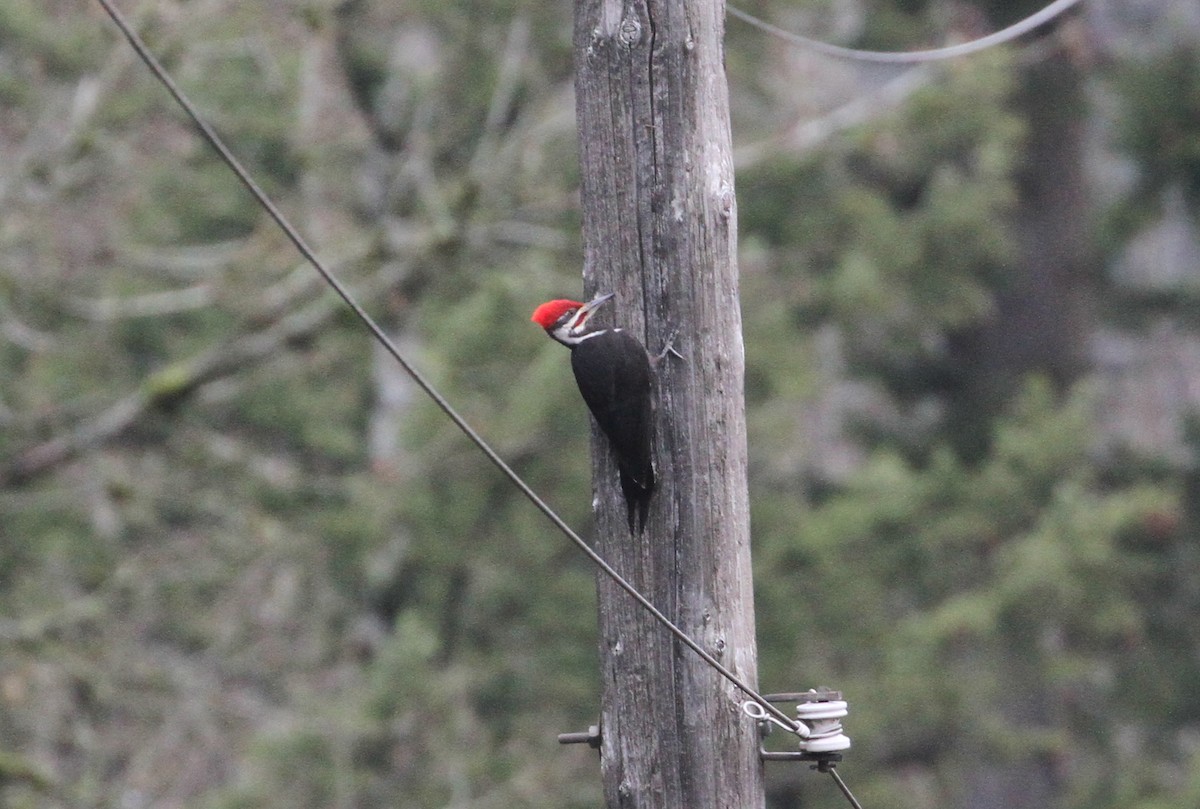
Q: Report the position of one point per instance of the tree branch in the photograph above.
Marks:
(179, 380)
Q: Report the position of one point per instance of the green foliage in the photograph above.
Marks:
(933, 578)
(224, 596)
(62, 47)
(899, 234)
(191, 203)
(1160, 122)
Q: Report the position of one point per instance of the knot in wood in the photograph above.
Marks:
(631, 31)
(726, 199)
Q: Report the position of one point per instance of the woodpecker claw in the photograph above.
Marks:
(669, 348)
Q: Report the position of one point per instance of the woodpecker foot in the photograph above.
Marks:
(669, 348)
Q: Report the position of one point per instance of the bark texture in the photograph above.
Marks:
(660, 230)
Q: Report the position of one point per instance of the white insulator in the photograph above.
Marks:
(807, 711)
(824, 721)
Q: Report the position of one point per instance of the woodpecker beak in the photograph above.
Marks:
(598, 301)
(587, 310)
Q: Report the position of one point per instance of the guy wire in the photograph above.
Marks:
(294, 236)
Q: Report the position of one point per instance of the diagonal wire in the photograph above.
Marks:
(294, 236)
(908, 57)
(837, 779)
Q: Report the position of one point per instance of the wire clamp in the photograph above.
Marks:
(755, 710)
(819, 714)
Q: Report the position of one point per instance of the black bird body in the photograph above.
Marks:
(615, 376)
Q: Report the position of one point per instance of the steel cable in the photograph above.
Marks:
(908, 57)
(301, 245)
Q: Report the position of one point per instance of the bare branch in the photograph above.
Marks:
(810, 133)
(151, 304)
(508, 73)
(183, 378)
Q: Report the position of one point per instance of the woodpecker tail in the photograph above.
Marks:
(638, 488)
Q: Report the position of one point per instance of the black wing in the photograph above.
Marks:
(614, 376)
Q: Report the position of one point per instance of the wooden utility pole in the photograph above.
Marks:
(660, 230)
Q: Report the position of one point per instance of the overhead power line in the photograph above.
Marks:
(210, 135)
(907, 57)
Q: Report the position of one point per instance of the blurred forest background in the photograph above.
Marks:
(244, 563)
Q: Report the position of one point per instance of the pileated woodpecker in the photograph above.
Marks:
(613, 371)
